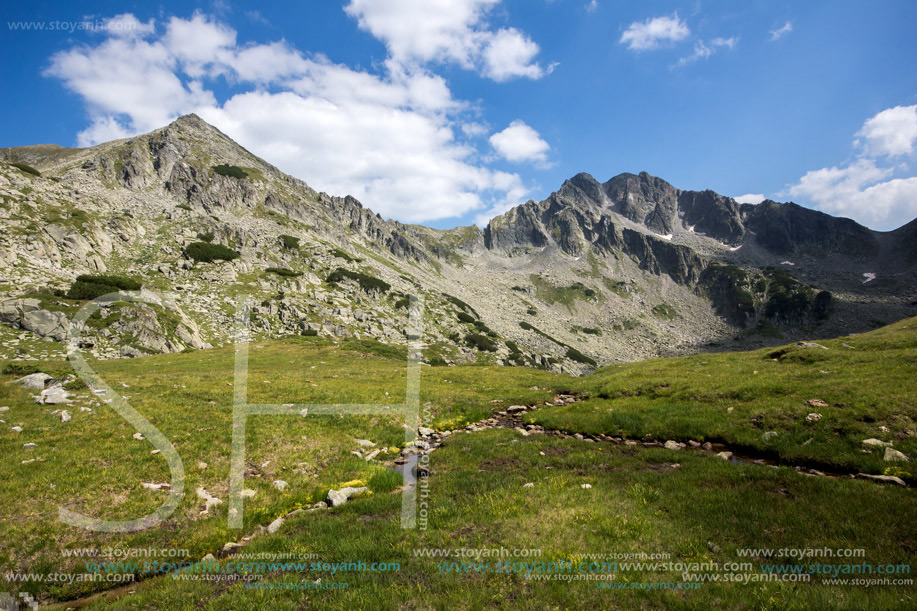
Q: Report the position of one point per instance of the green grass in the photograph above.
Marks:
(565, 295)
(735, 398)
(230, 170)
(641, 501)
(206, 252)
(688, 504)
(26, 168)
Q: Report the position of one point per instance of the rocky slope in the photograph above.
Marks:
(597, 272)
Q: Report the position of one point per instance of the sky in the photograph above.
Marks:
(448, 112)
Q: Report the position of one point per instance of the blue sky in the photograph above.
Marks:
(447, 112)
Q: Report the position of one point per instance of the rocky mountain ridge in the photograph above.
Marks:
(597, 272)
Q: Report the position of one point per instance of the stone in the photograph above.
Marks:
(672, 445)
(769, 435)
(693, 444)
(893, 455)
(30, 446)
(813, 417)
(585, 486)
(55, 325)
(884, 479)
(4, 409)
(17, 429)
(154, 486)
(724, 455)
(65, 416)
(279, 484)
(35, 381)
(365, 443)
(230, 548)
(515, 409)
(872, 442)
(275, 525)
(708, 447)
(811, 345)
(138, 436)
(209, 500)
(53, 395)
(528, 485)
(339, 497)
(713, 547)
(372, 455)
(816, 403)
(248, 493)
(425, 432)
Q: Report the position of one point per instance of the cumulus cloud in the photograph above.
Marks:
(519, 142)
(127, 25)
(780, 32)
(892, 132)
(654, 33)
(703, 51)
(397, 140)
(861, 191)
(417, 32)
(750, 198)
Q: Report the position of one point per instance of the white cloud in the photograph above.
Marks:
(892, 132)
(860, 191)
(509, 54)
(519, 142)
(750, 198)
(127, 25)
(592, 5)
(702, 51)
(388, 138)
(780, 32)
(653, 33)
(417, 32)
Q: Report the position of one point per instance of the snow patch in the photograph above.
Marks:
(869, 277)
(787, 263)
(735, 248)
(667, 236)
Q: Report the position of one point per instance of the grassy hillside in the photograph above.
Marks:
(688, 506)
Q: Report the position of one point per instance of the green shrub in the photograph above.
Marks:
(205, 237)
(531, 311)
(461, 304)
(372, 346)
(403, 303)
(26, 168)
(367, 283)
(282, 271)
(664, 310)
(184, 207)
(437, 361)
(20, 369)
(206, 252)
(481, 342)
(309, 333)
(521, 289)
(525, 325)
(289, 242)
(232, 171)
(88, 287)
(465, 318)
(575, 355)
(592, 330)
(340, 254)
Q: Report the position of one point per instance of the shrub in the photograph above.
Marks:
(481, 342)
(367, 283)
(531, 311)
(289, 242)
(437, 361)
(184, 207)
(205, 237)
(465, 318)
(403, 303)
(525, 325)
(372, 346)
(206, 252)
(26, 168)
(20, 369)
(88, 287)
(282, 271)
(460, 303)
(575, 355)
(340, 254)
(232, 171)
(592, 330)
(521, 289)
(309, 333)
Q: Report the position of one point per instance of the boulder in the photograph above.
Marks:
(35, 381)
(883, 479)
(339, 497)
(53, 395)
(893, 455)
(55, 325)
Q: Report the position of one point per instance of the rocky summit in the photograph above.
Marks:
(190, 224)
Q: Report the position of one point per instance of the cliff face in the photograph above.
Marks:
(625, 269)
